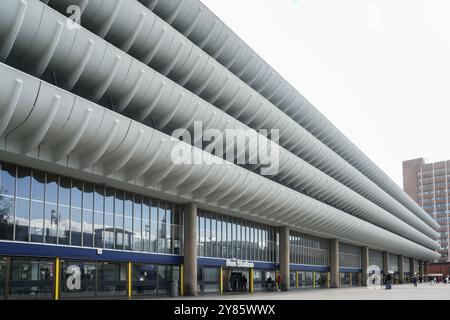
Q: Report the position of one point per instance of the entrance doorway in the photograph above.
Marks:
(236, 280)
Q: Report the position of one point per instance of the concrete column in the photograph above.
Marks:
(420, 267)
(401, 273)
(284, 258)
(334, 263)
(385, 263)
(190, 249)
(425, 268)
(412, 267)
(364, 265)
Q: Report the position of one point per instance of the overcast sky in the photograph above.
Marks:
(379, 70)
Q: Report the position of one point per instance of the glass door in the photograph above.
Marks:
(293, 279)
(31, 279)
(78, 279)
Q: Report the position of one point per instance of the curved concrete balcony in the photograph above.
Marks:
(201, 26)
(138, 91)
(157, 44)
(46, 126)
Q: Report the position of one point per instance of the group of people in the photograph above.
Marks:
(239, 283)
(432, 279)
(270, 284)
(415, 279)
(437, 280)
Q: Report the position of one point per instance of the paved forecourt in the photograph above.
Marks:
(424, 291)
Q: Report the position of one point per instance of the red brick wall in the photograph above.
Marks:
(443, 268)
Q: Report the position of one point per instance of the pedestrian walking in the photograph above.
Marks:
(414, 281)
(279, 279)
(433, 281)
(244, 283)
(388, 281)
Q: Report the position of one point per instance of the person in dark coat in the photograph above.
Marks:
(388, 281)
(279, 279)
(244, 283)
(414, 281)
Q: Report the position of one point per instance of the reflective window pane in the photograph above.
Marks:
(112, 279)
(154, 226)
(23, 182)
(7, 192)
(98, 216)
(118, 219)
(63, 225)
(162, 227)
(177, 230)
(88, 196)
(76, 193)
(8, 179)
(164, 279)
(51, 195)
(228, 237)
(60, 210)
(31, 279)
(88, 215)
(64, 191)
(144, 279)
(108, 234)
(38, 185)
(137, 223)
(128, 222)
(77, 279)
(75, 226)
(37, 221)
(169, 224)
(22, 221)
(52, 219)
(146, 224)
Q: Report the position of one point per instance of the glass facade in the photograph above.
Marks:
(34, 278)
(320, 279)
(208, 279)
(305, 279)
(37, 206)
(31, 278)
(309, 279)
(406, 265)
(152, 279)
(293, 279)
(227, 237)
(349, 256)
(376, 259)
(350, 279)
(112, 279)
(393, 262)
(78, 278)
(308, 250)
(263, 280)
